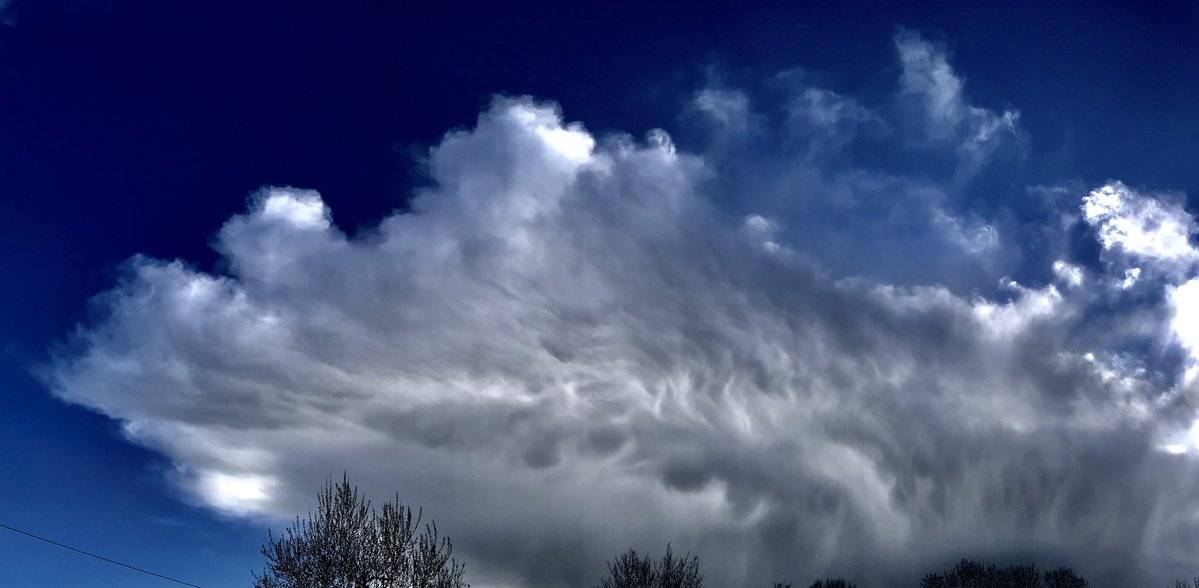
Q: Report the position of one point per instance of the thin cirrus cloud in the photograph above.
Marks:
(572, 344)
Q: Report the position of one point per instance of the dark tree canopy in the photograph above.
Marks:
(822, 583)
(973, 574)
(631, 570)
(1064, 578)
(833, 583)
(345, 543)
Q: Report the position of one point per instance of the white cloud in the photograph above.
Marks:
(566, 348)
(974, 237)
(1068, 273)
(829, 110)
(729, 108)
(859, 185)
(928, 77)
(234, 493)
(762, 231)
(301, 209)
(1140, 226)
(1013, 318)
(1131, 276)
(1184, 303)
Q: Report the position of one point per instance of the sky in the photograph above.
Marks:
(802, 289)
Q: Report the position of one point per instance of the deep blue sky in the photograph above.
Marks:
(139, 127)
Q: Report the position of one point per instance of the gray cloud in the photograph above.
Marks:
(569, 346)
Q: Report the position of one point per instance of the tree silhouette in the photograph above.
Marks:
(833, 583)
(631, 570)
(968, 573)
(1065, 578)
(345, 543)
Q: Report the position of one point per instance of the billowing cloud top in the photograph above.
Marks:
(570, 345)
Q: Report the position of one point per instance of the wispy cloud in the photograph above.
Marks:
(573, 343)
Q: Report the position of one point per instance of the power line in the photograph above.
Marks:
(99, 557)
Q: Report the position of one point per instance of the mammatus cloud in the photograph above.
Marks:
(568, 346)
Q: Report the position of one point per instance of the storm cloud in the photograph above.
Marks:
(573, 343)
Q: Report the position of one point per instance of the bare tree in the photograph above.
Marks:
(345, 543)
(679, 572)
(631, 570)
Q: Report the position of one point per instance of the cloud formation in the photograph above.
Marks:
(928, 77)
(1140, 227)
(571, 344)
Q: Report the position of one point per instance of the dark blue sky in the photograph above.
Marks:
(140, 127)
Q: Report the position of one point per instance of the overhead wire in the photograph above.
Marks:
(99, 557)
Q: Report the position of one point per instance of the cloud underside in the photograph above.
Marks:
(567, 347)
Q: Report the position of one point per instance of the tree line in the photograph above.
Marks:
(346, 542)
